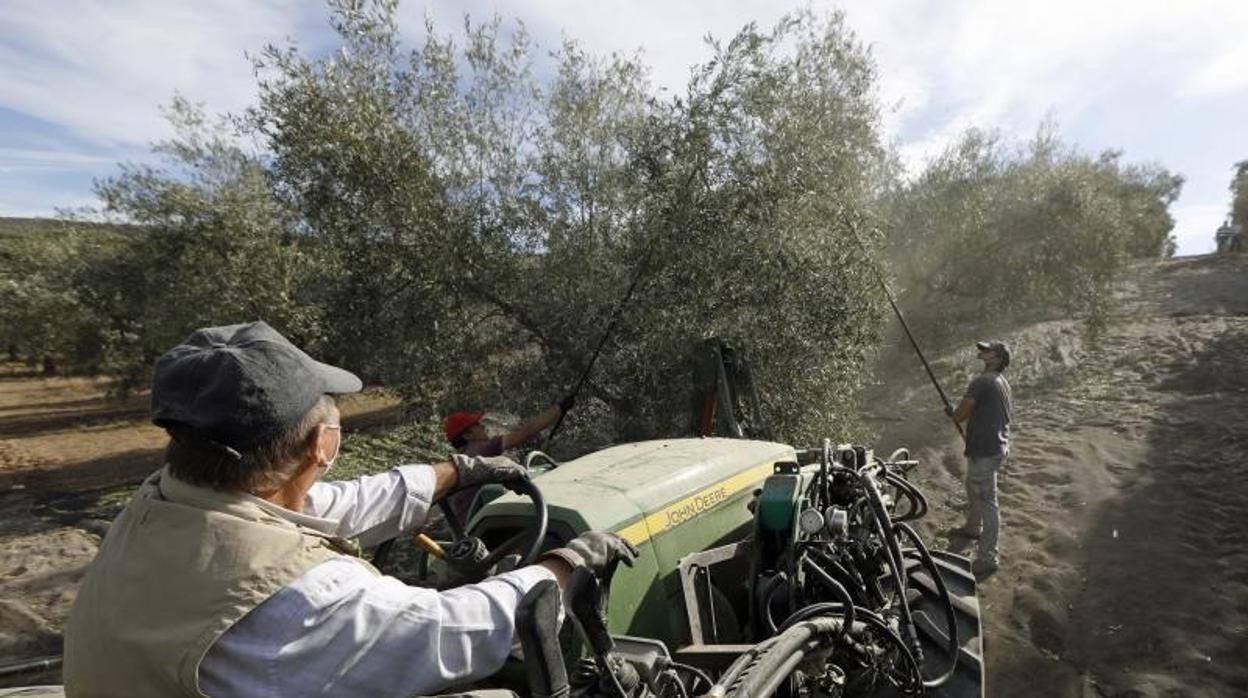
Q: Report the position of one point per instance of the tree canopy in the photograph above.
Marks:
(461, 222)
(990, 229)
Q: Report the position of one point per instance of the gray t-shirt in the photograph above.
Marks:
(988, 429)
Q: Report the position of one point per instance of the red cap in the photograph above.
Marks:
(458, 422)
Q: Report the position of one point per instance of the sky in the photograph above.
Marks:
(82, 82)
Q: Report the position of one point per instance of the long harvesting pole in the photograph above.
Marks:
(619, 310)
(879, 276)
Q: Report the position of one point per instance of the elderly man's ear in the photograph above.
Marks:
(328, 439)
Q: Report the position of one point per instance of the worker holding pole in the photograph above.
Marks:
(986, 407)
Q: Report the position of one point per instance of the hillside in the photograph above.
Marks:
(19, 230)
(1123, 558)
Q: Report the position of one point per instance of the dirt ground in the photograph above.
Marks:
(1124, 559)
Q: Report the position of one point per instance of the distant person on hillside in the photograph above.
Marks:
(469, 437)
(986, 408)
(235, 569)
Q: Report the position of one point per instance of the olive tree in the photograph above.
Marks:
(988, 230)
(209, 245)
(474, 227)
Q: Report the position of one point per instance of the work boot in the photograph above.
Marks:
(984, 566)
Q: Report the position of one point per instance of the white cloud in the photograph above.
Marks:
(101, 70)
(1006, 66)
(28, 159)
(1223, 74)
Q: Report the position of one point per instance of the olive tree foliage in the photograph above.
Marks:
(989, 230)
(473, 227)
(210, 245)
(41, 315)
(1239, 194)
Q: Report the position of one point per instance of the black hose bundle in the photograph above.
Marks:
(761, 671)
(918, 502)
(951, 620)
(847, 601)
(884, 528)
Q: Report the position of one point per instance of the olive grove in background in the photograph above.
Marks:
(993, 229)
(460, 222)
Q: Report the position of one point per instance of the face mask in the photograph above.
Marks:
(337, 447)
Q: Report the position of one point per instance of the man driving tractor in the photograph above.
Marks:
(234, 570)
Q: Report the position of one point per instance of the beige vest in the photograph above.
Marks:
(178, 567)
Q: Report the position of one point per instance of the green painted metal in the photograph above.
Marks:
(683, 495)
(776, 502)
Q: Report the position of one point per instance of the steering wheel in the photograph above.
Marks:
(535, 533)
(465, 548)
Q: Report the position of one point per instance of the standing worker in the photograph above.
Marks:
(986, 408)
(468, 436)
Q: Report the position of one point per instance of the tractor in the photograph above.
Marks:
(764, 569)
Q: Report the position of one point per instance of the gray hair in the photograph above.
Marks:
(261, 469)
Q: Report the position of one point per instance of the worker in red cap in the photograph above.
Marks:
(468, 435)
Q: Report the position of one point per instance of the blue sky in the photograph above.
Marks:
(82, 82)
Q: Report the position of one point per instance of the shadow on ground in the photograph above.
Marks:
(1164, 608)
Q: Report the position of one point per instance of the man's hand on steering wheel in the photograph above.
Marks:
(473, 471)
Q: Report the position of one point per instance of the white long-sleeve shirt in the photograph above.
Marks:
(340, 630)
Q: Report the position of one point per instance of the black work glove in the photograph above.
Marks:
(479, 470)
(566, 402)
(595, 551)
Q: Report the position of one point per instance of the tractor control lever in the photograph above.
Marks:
(536, 622)
(587, 600)
(589, 607)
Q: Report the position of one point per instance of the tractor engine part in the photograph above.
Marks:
(742, 543)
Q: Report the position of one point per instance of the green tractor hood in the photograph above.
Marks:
(669, 498)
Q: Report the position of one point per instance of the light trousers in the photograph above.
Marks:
(983, 513)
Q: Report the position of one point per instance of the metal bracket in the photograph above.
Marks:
(691, 567)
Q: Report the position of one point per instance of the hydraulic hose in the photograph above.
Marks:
(764, 674)
(696, 672)
(787, 644)
(773, 679)
(919, 501)
(837, 570)
(30, 665)
(950, 616)
(873, 619)
(764, 598)
(837, 588)
(884, 527)
(745, 662)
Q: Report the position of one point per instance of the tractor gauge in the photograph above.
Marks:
(810, 521)
(838, 522)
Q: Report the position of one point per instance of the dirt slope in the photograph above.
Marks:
(1124, 557)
